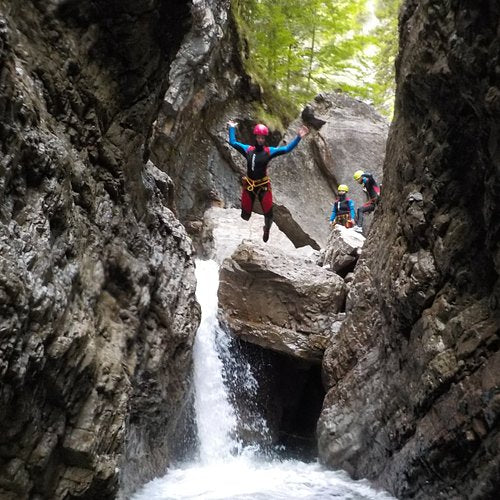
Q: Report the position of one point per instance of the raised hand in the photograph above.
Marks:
(303, 131)
(232, 123)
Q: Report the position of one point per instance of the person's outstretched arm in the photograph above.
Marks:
(334, 212)
(352, 209)
(239, 146)
(281, 150)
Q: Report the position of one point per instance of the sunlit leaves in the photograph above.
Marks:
(308, 46)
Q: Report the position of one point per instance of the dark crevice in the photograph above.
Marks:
(349, 268)
(289, 397)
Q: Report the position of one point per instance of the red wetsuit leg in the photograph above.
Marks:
(266, 199)
(247, 198)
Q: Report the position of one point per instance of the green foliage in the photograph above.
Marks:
(386, 41)
(297, 48)
(277, 110)
(301, 46)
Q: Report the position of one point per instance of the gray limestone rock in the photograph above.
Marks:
(280, 302)
(343, 248)
(412, 375)
(97, 302)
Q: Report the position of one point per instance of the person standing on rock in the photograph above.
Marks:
(343, 211)
(256, 182)
(372, 191)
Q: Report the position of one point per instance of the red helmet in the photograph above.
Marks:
(260, 130)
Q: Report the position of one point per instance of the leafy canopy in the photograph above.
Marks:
(300, 48)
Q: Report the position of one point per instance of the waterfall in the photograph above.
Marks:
(225, 469)
(215, 417)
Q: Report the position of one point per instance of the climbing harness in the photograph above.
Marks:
(344, 220)
(251, 184)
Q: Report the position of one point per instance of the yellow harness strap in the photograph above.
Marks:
(255, 183)
(343, 217)
(344, 220)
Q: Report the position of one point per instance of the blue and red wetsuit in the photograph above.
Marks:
(256, 181)
(372, 191)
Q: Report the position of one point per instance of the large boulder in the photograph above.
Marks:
(412, 376)
(281, 302)
(343, 248)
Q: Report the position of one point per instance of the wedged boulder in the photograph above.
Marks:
(281, 302)
(288, 374)
(343, 249)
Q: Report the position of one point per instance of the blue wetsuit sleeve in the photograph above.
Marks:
(334, 212)
(273, 152)
(239, 146)
(351, 209)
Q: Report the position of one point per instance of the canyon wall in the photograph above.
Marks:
(98, 311)
(412, 377)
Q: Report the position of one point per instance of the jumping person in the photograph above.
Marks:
(257, 182)
(372, 191)
(343, 209)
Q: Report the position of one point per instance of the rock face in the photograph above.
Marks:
(206, 81)
(343, 248)
(207, 171)
(280, 302)
(413, 382)
(353, 137)
(96, 283)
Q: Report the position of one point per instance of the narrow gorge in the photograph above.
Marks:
(367, 359)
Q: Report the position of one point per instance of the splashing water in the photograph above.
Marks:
(215, 417)
(226, 469)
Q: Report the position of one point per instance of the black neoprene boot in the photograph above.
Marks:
(266, 229)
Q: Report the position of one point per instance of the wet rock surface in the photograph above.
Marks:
(280, 302)
(96, 281)
(412, 376)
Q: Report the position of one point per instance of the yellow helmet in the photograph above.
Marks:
(343, 187)
(358, 174)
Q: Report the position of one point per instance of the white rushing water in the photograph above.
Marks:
(225, 469)
(215, 417)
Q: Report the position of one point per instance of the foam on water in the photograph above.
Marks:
(246, 478)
